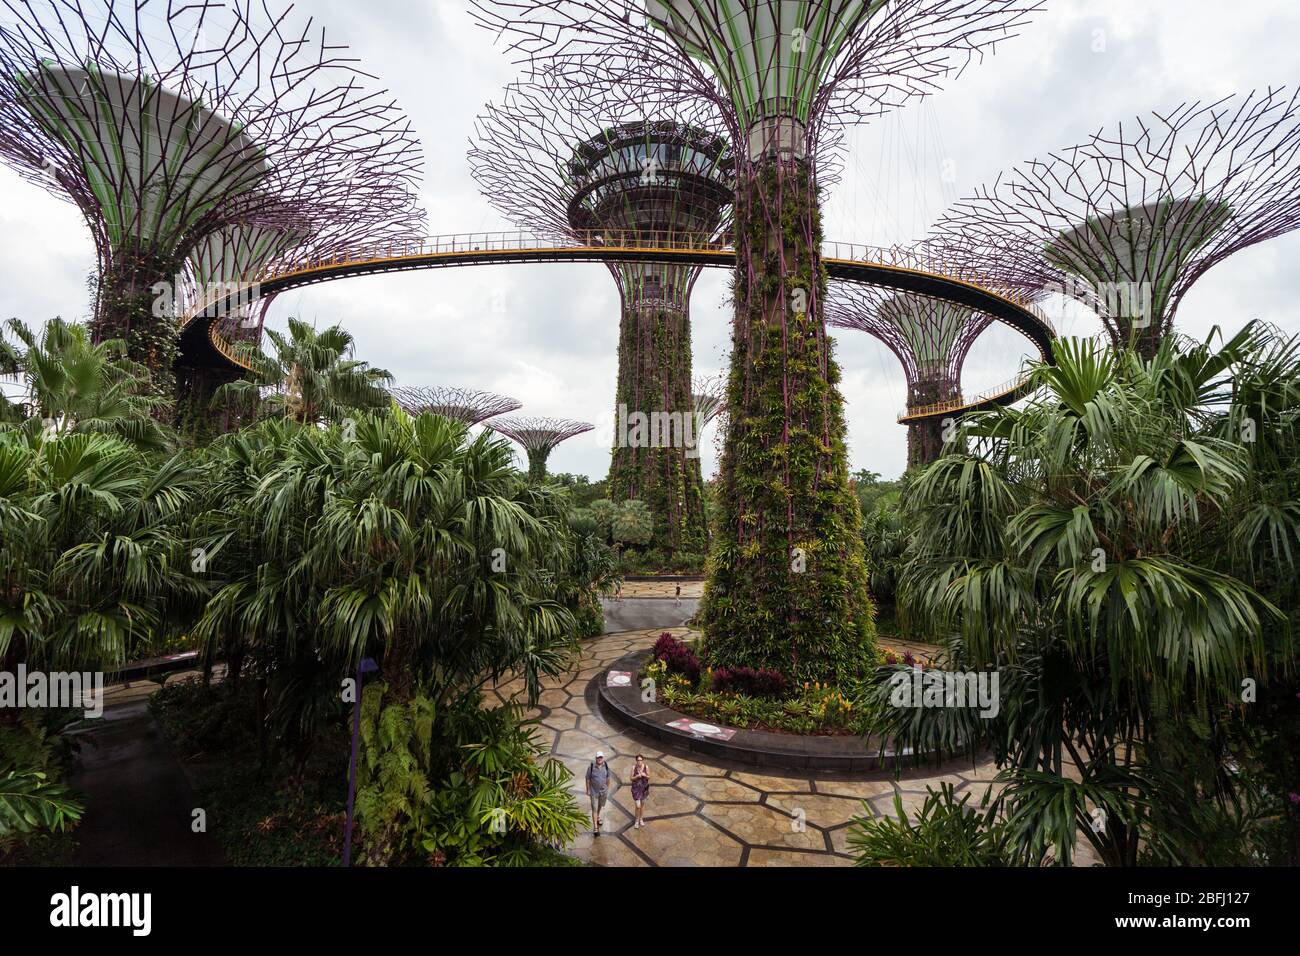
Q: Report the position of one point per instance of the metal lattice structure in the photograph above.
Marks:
(630, 181)
(930, 338)
(468, 406)
(780, 76)
(539, 437)
(710, 399)
(196, 138)
(774, 72)
(1128, 220)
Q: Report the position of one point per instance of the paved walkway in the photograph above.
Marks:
(705, 812)
(662, 589)
(139, 803)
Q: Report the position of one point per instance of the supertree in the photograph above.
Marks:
(1127, 220)
(630, 181)
(465, 405)
(709, 397)
(539, 436)
(168, 122)
(787, 587)
(929, 336)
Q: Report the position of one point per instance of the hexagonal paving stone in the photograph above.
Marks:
(819, 811)
(719, 790)
(763, 826)
(560, 720)
(912, 800)
(687, 766)
(686, 841)
(614, 818)
(774, 784)
(862, 789)
(556, 697)
(662, 802)
(660, 774)
(576, 743)
(984, 771)
(596, 726)
(578, 707)
(629, 745)
(607, 850)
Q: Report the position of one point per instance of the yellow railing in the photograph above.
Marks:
(1009, 387)
(595, 241)
(226, 348)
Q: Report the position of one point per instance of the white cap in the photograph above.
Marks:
(600, 753)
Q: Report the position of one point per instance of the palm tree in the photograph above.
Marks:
(1082, 550)
(406, 541)
(94, 563)
(77, 386)
(399, 538)
(311, 379)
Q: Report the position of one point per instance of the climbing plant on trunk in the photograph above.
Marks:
(787, 580)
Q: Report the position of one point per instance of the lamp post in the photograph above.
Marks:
(367, 666)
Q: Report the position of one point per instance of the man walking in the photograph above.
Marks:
(597, 789)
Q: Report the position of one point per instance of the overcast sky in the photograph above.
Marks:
(547, 334)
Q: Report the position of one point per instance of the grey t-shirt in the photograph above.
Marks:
(598, 776)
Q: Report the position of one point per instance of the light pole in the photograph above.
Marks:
(367, 666)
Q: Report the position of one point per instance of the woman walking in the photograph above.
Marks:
(640, 787)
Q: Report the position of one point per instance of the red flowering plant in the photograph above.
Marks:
(677, 657)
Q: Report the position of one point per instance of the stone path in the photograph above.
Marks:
(138, 800)
(662, 589)
(705, 812)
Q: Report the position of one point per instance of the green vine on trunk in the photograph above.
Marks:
(787, 579)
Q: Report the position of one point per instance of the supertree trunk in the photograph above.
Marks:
(134, 303)
(537, 464)
(925, 442)
(198, 416)
(787, 586)
(652, 461)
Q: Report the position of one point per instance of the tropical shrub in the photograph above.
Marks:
(33, 799)
(943, 832)
(76, 386)
(95, 555)
(1109, 550)
(399, 539)
(810, 710)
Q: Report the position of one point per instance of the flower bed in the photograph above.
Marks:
(748, 698)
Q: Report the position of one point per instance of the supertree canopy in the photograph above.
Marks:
(465, 405)
(931, 338)
(709, 398)
(631, 182)
(1126, 221)
(171, 122)
(787, 587)
(539, 436)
